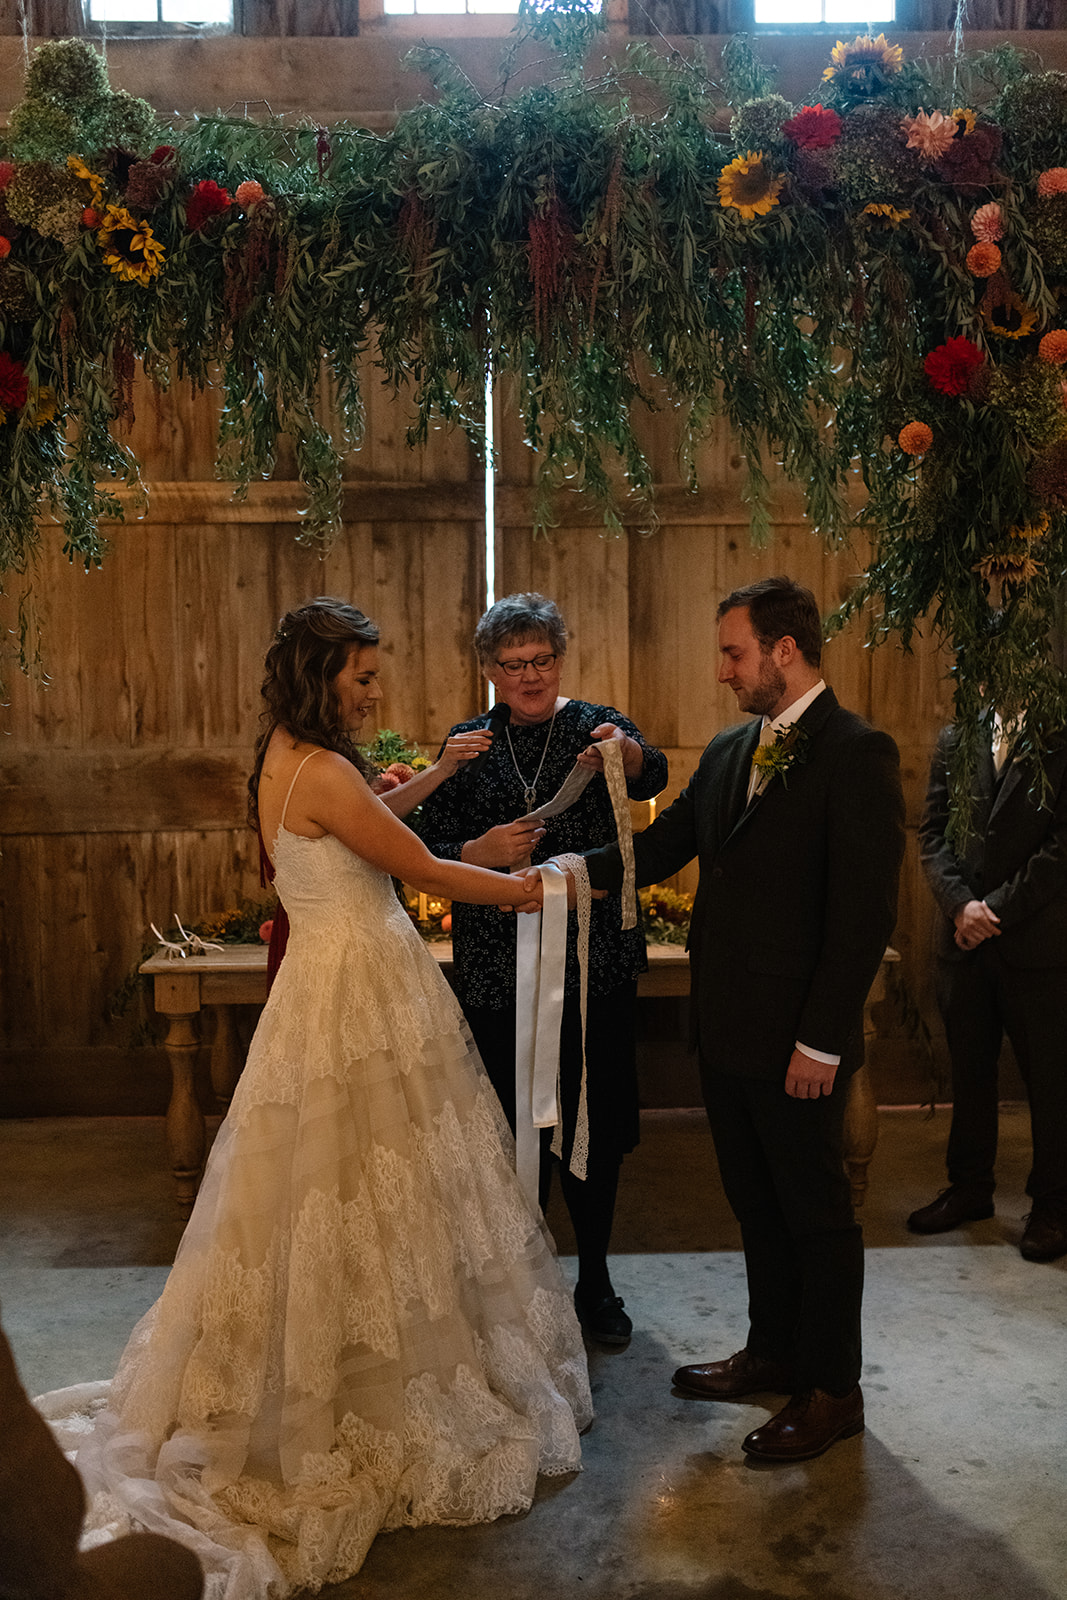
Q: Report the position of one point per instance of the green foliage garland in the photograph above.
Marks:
(869, 288)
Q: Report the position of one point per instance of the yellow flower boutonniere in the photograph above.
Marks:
(777, 760)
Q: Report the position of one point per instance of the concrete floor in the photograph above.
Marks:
(957, 1490)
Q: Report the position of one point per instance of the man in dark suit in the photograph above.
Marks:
(1002, 968)
(799, 851)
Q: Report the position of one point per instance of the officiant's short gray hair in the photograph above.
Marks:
(519, 619)
(777, 608)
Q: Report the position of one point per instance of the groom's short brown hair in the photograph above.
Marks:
(778, 607)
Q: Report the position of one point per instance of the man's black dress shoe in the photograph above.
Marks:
(604, 1320)
(1045, 1236)
(807, 1426)
(952, 1206)
(735, 1377)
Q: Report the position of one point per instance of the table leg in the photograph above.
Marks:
(226, 1060)
(186, 1139)
(861, 1132)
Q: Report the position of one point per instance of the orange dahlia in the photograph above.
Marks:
(1053, 347)
(983, 259)
(915, 438)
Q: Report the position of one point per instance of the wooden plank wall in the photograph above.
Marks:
(122, 782)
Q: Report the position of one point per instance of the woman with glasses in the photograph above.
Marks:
(480, 817)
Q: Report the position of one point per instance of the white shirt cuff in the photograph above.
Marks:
(818, 1055)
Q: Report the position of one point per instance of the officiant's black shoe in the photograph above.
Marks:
(952, 1207)
(1045, 1235)
(807, 1426)
(732, 1379)
(604, 1319)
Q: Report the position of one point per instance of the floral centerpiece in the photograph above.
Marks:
(665, 914)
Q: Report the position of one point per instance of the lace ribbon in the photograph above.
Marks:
(541, 961)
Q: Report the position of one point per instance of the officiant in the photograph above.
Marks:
(482, 816)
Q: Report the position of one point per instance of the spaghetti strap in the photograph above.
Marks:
(292, 786)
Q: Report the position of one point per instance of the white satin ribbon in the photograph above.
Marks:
(540, 977)
(541, 964)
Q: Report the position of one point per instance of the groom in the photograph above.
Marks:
(800, 849)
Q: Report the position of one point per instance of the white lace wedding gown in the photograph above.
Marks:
(365, 1326)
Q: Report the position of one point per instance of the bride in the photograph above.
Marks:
(365, 1326)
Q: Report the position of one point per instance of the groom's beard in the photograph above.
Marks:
(767, 693)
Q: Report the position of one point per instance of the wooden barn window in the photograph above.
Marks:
(159, 15)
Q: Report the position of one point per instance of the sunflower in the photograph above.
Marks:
(748, 185)
(965, 119)
(1033, 530)
(864, 59)
(130, 249)
(96, 185)
(44, 405)
(1006, 569)
(1009, 317)
(886, 214)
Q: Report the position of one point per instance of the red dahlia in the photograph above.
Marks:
(206, 201)
(14, 384)
(952, 365)
(814, 128)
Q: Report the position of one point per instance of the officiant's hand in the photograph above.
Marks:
(509, 845)
(633, 757)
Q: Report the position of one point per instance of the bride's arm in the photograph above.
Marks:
(331, 794)
(459, 748)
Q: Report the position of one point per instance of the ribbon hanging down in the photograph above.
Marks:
(541, 963)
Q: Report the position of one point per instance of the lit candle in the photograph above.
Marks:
(651, 811)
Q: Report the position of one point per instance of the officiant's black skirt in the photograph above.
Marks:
(611, 1068)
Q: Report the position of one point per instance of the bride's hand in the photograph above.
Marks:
(461, 748)
(533, 895)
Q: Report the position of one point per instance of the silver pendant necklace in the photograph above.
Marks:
(529, 790)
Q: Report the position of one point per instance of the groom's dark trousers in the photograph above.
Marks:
(794, 908)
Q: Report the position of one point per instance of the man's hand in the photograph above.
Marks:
(807, 1078)
(511, 844)
(633, 757)
(974, 924)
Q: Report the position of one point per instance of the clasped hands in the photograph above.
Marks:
(534, 893)
(975, 923)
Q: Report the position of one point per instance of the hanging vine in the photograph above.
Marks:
(869, 287)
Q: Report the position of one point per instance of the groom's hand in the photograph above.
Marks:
(532, 892)
(807, 1078)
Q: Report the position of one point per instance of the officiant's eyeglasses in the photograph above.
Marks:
(539, 664)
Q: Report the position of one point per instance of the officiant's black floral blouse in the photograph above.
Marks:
(483, 938)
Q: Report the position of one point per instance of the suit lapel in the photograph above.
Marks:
(735, 807)
(812, 721)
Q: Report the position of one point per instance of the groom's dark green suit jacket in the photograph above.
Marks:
(797, 893)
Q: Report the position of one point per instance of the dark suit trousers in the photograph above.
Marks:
(982, 997)
(782, 1168)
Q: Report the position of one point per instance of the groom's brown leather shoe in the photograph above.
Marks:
(807, 1426)
(951, 1209)
(739, 1375)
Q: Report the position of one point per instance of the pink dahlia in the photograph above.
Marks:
(987, 224)
(929, 135)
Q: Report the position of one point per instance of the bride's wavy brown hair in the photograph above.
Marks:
(308, 650)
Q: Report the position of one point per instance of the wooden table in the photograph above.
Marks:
(237, 975)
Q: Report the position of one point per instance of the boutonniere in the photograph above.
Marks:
(789, 749)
